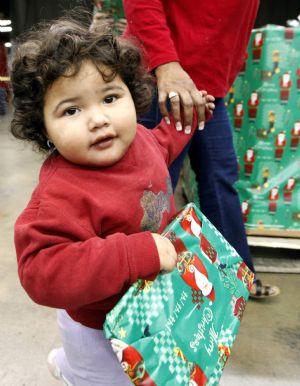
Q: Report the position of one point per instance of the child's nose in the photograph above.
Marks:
(98, 118)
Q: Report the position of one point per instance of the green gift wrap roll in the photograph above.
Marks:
(179, 328)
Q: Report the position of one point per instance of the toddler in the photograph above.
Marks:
(92, 226)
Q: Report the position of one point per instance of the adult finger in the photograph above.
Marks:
(162, 101)
(175, 108)
(187, 106)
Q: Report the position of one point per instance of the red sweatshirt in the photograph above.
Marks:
(84, 237)
(208, 38)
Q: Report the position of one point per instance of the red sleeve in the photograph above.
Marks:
(171, 140)
(147, 22)
(58, 270)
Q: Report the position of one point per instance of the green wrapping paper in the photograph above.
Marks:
(264, 108)
(179, 328)
(114, 8)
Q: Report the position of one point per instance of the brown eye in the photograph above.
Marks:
(71, 111)
(110, 99)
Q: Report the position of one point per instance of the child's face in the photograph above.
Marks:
(90, 122)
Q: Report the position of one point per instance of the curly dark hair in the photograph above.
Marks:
(50, 50)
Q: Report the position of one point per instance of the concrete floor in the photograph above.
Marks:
(267, 349)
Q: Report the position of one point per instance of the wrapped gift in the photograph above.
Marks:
(113, 13)
(264, 108)
(179, 328)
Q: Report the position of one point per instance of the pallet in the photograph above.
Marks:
(274, 233)
(274, 242)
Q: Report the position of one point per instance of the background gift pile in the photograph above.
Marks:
(264, 107)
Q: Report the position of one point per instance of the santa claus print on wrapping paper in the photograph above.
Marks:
(285, 86)
(238, 116)
(253, 103)
(249, 159)
(192, 271)
(289, 34)
(132, 363)
(197, 376)
(238, 306)
(191, 224)
(288, 190)
(280, 143)
(298, 78)
(245, 275)
(245, 210)
(176, 241)
(257, 45)
(273, 198)
(195, 275)
(295, 134)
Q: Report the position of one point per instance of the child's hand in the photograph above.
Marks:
(209, 107)
(166, 251)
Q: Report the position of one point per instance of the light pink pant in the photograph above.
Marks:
(86, 358)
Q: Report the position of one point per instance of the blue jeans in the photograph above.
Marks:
(214, 162)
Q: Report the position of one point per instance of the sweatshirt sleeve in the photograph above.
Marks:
(170, 140)
(147, 22)
(71, 268)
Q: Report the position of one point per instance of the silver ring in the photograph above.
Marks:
(173, 94)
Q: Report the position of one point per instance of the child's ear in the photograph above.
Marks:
(48, 139)
(44, 131)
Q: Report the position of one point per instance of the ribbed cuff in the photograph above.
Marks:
(143, 256)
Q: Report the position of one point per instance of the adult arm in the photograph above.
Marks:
(147, 22)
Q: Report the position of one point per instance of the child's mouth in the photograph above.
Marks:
(103, 143)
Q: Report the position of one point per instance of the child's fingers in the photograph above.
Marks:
(211, 105)
(199, 102)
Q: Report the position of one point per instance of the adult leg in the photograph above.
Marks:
(214, 162)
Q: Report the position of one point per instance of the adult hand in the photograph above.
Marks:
(171, 78)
